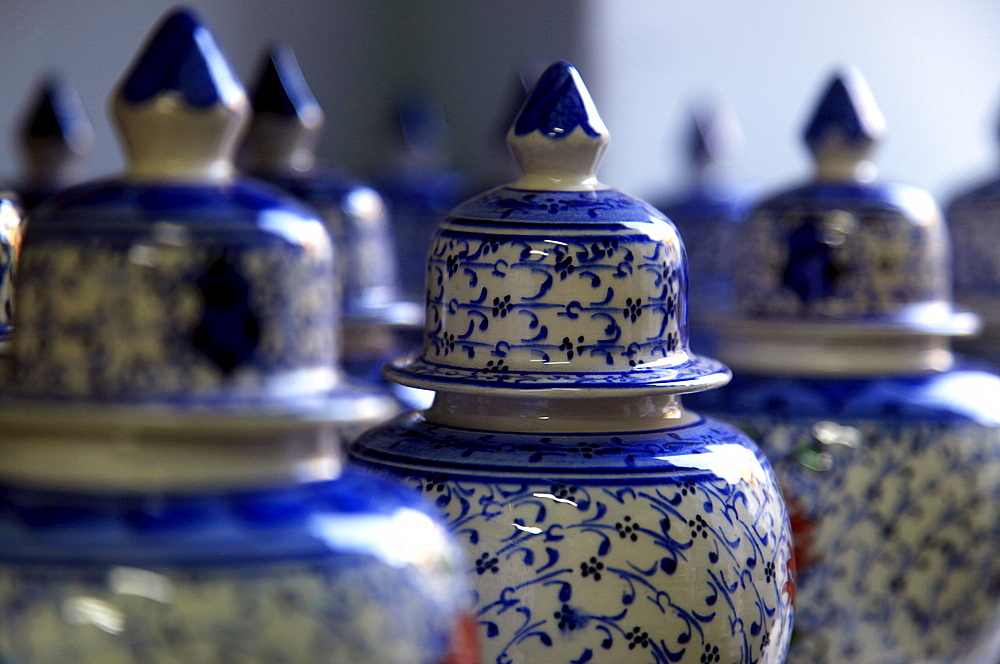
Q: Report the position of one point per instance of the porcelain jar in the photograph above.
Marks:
(887, 448)
(172, 484)
(602, 521)
(974, 219)
(279, 147)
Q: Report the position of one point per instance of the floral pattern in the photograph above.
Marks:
(298, 574)
(894, 489)
(834, 254)
(626, 548)
(135, 321)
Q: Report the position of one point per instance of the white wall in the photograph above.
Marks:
(934, 67)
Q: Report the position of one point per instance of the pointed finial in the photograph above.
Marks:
(558, 137)
(282, 88)
(846, 125)
(54, 134)
(714, 134)
(287, 119)
(847, 113)
(420, 120)
(180, 108)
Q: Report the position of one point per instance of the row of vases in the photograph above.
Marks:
(172, 481)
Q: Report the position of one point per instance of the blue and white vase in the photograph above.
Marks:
(974, 220)
(417, 185)
(171, 476)
(602, 521)
(54, 136)
(279, 147)
(888, 451)
(707, 211)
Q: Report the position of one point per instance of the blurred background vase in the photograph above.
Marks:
(279, 147)
(887, 449)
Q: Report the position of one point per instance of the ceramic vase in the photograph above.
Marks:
(279, 148)
(602, 521)
(417, 185)
(171, 476)
(888, 450)
(974, 218)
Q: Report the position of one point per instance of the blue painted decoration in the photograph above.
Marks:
(557, 105)
(182, 57)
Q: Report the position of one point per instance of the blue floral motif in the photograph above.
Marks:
(852, 251)
(577, 540)
(893, 487)
(468, 298)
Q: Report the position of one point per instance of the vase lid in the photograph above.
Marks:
(179, 285)
(556, 283)
(845, 254)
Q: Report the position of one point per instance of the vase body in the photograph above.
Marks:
(668, 545)
(892, 485)
(310, 572)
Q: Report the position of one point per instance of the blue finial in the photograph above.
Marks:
(714, 133)
(558, 105)
(182, 57)
(281, 88)
(421, 122)
(849, 108)
(57, 113)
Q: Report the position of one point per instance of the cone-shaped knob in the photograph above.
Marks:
(559, 138)
(286, 117)
(56, 114)
(180, 108)
(714, 135)
(54, 134)
(845, 126)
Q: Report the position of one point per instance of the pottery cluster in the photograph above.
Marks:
(237, 429)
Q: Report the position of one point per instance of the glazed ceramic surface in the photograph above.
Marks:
(601, 521)
(893, 489)
(888, 452)
(974, 217)
(278, 148)
(418, 187)
(171, 478)
(657, 546)
(10, 246)
(707, 211)
(347, 570)
(55, 135)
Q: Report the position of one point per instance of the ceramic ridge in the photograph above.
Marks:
(183, 57)
(558, 105)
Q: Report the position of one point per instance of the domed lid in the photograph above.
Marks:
(556, 283)
(844, 254)
(54, 134)
(179, 284)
